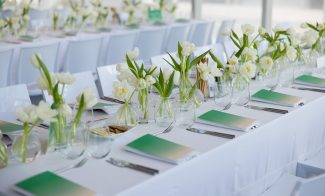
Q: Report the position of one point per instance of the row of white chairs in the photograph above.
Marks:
(86, 54)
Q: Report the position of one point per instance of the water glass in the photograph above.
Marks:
(222, 93)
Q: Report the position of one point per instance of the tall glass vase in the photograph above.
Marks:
(125, 115)
(143, 100)
(164, 113)
(26, 147)
(184, 91)
(240, 90)
(57, 136)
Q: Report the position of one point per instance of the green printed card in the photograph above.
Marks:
(48, 183)
(8, 127)
(161, 149)
(100, 105)
(269, 96)
(226, 120)
(154, 15)
(310, 81)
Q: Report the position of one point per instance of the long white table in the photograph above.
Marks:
(246, 165)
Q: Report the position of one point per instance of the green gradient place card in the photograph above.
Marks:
(310, 81)
(226, 120)
(48, 183)
(9, 127)
(272, 97)
(160, 149)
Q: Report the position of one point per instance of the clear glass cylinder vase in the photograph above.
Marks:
(143, 101)
(240, 90)
(126, 116)
(185, 86)
(26, 147)
(57, 135)
(222, 92)
(164, 114)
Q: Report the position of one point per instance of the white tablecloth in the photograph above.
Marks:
(246, 165)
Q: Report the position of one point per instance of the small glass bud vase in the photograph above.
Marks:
(126, 116)
(76, 137)
(26, 147)
(164, 112)
(222, 92)
(3, 154)
(143, 100)
(240, 90)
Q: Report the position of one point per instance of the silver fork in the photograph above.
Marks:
(168, 129)
(73, 166)
(227, 106)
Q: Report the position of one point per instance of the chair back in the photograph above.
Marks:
(200, 33)
(107, 75)
(83, 55)
(118, 45)
(225, 24)
(5, 62)
(177, 33)
(314, 186)
(12, 97)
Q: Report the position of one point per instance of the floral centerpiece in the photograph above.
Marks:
(313, 38)
(54, 84)
(101, 13)
(167, 7)
(131, 7)
(24, 17)
(141, 79)
(183, 65)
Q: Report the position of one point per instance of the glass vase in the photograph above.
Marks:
(143, 101)
(240, 90)
(57, 135)
(3, 153)
(76, 137)
(272, 77)
(184, 92)
(125, 115)
(222, 92)
(164, 113)
(26, 147)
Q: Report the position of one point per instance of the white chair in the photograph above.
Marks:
(160, 62)
(5, 62)
(308, 166)
(200, 32)
(83, 55)
(230, 48)
(7, 13)
(177, 33)
(39, 17)
(225, 24)
(118, 45)
(150, 43)
(26, 72)
(83, 80)
(290, 185)
(107, 75)
(12, 97)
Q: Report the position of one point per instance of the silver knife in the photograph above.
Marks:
(121, 163)
(309, 89)
(218, 134)
(274, 110)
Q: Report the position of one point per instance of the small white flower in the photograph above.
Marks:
(27, 114)
(310, 37)
(291, 31)
(34, 61)
(248, 69)
(250, 54)
(65, 78)
(248, 29)
(133, 54)
(122, 90)
(142, 83)
(261, 31)
(89, 97)
(303, 25)
(278, 28)
(187, 48)
(43, 84)
(122, 67)
(266, 62)
(65, 110)
(150, 80)
(291, 53)
(214, 70)
(270, 49)
(321, 26)
(202, 67)
(233, 60)
(45, 112)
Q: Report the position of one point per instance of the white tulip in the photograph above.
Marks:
(303, 25)
(133, 54)
(65, 110)
(89, 97)
(142, 83)
(150, 80)
(248, 29)
(261, 31)
(204, 75)
(248, 69)
(122, 90)
(291, 53)
(310, 37)
(34, 61)
(27, 114)
(270, 49)
(250, 54)
(266, 62)
(65, 78)
(291, 31)
(122, 67)
(42, 83)
(187, 48)
(321, 26)
(214, 70)
(226, 32)
(233, 60)
(202, 67)
(45, 112)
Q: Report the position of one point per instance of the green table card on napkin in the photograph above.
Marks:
(48, 183)
(8, 127)
(161, 149)
(310, 81)
(154, 15)
(226, 120)
(102, 105)
(269, 96)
